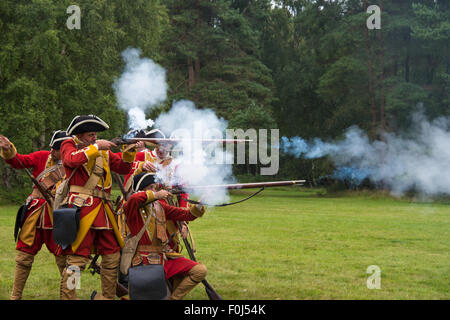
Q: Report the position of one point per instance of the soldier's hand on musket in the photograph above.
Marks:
(148, 166)
(200, 204)
(4, 142)
(162, 194)
(105, 144)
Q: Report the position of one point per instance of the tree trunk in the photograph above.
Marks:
(190, 73)
(198, 26)
(42, 139)
(407, 60)
(371, 76)
(382, 97)
(197, 70)
(313, 174)
(430, 70)
(6, 176)
(395, 71)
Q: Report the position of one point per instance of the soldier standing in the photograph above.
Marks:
(145, 158)
(90, 189)
(37, 225)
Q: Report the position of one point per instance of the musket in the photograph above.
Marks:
(141, 135)
(176, 140)
(212, 294)
(120, 200)
(125, 194)
(131, 142)
(180, 189)
(120, 183)
(45, 192)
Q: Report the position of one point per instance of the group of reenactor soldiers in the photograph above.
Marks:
(87, 166)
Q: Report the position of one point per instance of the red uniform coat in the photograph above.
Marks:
(136, 220)
(96, 213)
(138, 160)
(148, 155)
(39, 214)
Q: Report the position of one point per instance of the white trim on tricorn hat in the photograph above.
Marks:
(89, 123)
(155, 133)
(58, 136)
(145, 179)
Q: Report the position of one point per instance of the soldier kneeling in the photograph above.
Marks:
(144, 212)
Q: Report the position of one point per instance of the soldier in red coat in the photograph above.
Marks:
(150, 161)
(155, 244)
(90, 189)
(145, 159)
(36, 228)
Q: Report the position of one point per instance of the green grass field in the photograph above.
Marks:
(293, 243)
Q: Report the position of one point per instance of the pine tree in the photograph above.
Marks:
(212, 49)
(50, 73)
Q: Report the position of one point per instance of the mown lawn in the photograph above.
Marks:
(294, 243)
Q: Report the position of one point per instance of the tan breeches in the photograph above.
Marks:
(195, 276)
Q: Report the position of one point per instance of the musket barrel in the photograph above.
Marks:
(173, 140)
(250, 185)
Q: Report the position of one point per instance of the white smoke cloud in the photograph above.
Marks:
(416, 160)
(141, 86)
(196, 163)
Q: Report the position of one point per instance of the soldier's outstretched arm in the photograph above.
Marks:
(18, 161)
(122, 163)
(4, 142)
(183, 214)
(74, 157)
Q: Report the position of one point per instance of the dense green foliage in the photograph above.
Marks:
(308, 67)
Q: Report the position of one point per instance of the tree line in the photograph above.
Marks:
(311, 68)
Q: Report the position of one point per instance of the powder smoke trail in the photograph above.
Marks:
(416, 160)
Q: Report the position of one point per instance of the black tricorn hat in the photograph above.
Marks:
(57, 138)
(155, 133)
(89, 123)
(143, 180)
